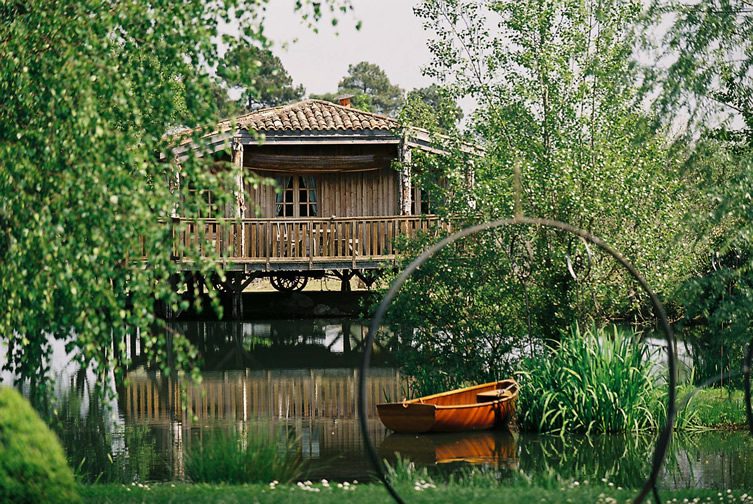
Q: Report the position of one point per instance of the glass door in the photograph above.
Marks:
(297, 197)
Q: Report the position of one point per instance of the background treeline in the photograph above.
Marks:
(642, 139)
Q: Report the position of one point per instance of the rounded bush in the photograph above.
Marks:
(33, 468)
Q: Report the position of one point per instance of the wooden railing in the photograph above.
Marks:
(296, 240)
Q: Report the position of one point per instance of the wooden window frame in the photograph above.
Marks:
(291, 198)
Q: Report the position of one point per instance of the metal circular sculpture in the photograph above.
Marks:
(666, 433)
(746, 381)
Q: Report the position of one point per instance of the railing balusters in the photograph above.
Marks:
(309, 239)
(353, 241)
(373, 230)
(290, 252)
(259, 240)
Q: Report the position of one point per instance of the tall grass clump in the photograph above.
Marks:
(254, 457)
(404, 472)
(593, 380)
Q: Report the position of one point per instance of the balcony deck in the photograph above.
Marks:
(261, 245)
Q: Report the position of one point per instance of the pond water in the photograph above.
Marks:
(298, 378)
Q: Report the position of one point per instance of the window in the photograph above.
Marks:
(297, 197)
(421, 202)
(194, 206)
(425, 206)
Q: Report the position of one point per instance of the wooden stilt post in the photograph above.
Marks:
(346, 337)
(236, 287)
(169, 313)
(345, 280)
(132, 344)
(190, 278)
(170, 352)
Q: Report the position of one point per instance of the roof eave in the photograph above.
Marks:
(426, 141)
(303, 137)
(413, 137)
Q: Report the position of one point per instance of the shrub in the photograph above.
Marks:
(592, 381)
(223, 457)
(33, 468)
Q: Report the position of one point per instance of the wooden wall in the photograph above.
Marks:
(260, 197)
(352, 180)
(363, 193)
(344, 194)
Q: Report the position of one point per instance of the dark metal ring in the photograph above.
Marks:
(746, 381)
(589, 259)
(665, 435)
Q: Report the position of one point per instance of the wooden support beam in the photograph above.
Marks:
(249, 278)
(368, 280)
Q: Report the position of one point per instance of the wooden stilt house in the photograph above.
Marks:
(339, 200)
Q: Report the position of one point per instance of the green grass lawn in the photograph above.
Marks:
(372, 493)
(717, 408)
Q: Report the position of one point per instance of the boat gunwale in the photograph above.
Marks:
(419, 400)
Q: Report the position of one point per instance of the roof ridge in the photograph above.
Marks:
(318, 115)
(261, 110)
(350, 109)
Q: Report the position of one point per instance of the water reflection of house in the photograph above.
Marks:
(317, 407)
(318, 343)
(254, 395)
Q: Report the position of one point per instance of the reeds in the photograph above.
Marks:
(597, 380)
(251, 457)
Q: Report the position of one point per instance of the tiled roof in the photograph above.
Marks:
(312, 115)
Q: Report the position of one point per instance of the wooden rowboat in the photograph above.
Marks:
(474, 408)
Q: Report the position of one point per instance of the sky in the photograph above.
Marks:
(390, 36)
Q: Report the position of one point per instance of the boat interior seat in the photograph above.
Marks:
(492, 395)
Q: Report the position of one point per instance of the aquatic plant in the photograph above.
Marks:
(405, 472)
(593, 380)
(251, 457)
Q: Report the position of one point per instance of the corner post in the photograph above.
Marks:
(406, 189)
(240, 199)
(174, 186)
(470, 182)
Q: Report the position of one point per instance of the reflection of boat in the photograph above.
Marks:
(473, 408)
(486, 447)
